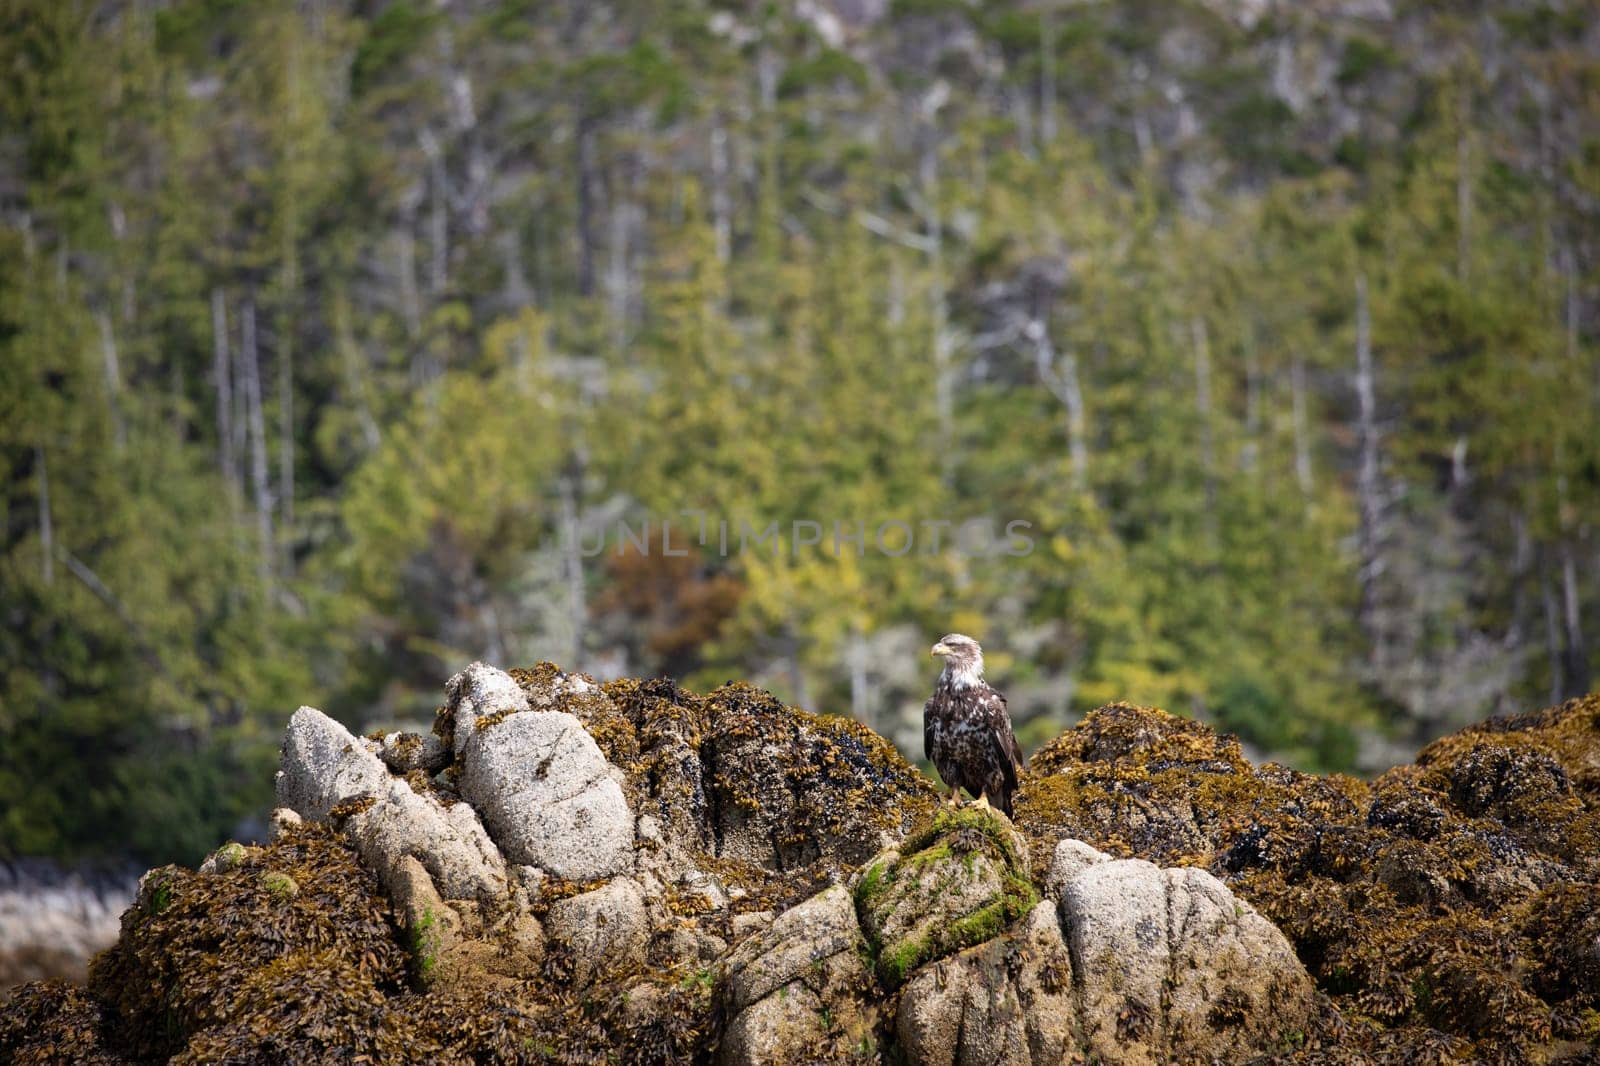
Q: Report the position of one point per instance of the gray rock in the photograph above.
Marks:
(1005, 1003)
(404, 752)
(323, 764)
(1236, 980)
(603, 929)
(1115, 914)
(230, 856)
(1173, 966)
(1071, 858)
(818, 1017)
(433, 929)
(801, 936)
(547, 795)
(449, 842)
(477, 691)
(749, 923)
(688, 944)
(961, 886)
(797, 990)
(283, 819)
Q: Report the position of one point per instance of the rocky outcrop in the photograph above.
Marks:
(548, 794)
(1427, 903)
(800, 989)
(1172, 965)
(1008, 1002)
(575, 872)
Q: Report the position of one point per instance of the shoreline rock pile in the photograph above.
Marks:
(574, 872)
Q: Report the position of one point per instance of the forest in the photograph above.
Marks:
(344, 342)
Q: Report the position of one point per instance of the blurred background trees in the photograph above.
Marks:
(333, 331)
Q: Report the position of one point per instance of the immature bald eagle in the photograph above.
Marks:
(966, 731)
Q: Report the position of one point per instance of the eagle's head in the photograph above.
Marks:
(963, 659)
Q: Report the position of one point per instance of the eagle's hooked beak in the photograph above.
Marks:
(940, 649)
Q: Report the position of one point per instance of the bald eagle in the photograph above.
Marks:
(966, 730)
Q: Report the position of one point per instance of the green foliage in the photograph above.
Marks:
(517, 270)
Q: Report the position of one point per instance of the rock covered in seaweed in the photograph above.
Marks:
(767, 885)
(1416, 901)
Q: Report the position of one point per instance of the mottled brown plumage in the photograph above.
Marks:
(966, 729)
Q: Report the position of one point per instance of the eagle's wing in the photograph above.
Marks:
(1005, 751)
(1013, 749)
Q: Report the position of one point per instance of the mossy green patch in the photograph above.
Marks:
(280, 885)
(953, 856)
(422, 939)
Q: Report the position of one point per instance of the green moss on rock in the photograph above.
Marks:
(959, 880)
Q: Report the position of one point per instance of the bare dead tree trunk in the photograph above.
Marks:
(355, 371)
(1250, 453)
(721, 200)
(517, 296)
(410, 297)
(860, 689)
(797, 673)
(516, 292)
(1459, 475)
(587, 179)
(1575, 666)
(474, 202)
(260, 480)
(572, 562)
(222, 375)
(1463, 201)
(1367, 489)
(1047, 78)
(286, 394)
(1064, 386)
(1574, 307)
(1302, 432)
(618, 283)
(438, 215)
(768, 207)
(1202, 404)
(1552, 633)
(113, 372)
(1576, 674)
(47, 525)
(1522, 560)
(939, 301)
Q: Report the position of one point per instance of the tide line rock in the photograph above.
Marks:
(958, 882)
(323, 764)
(1005, 1003)
(479, 691)
(542, 786)
(799, 990)
(1170, 964)
(603, 929)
